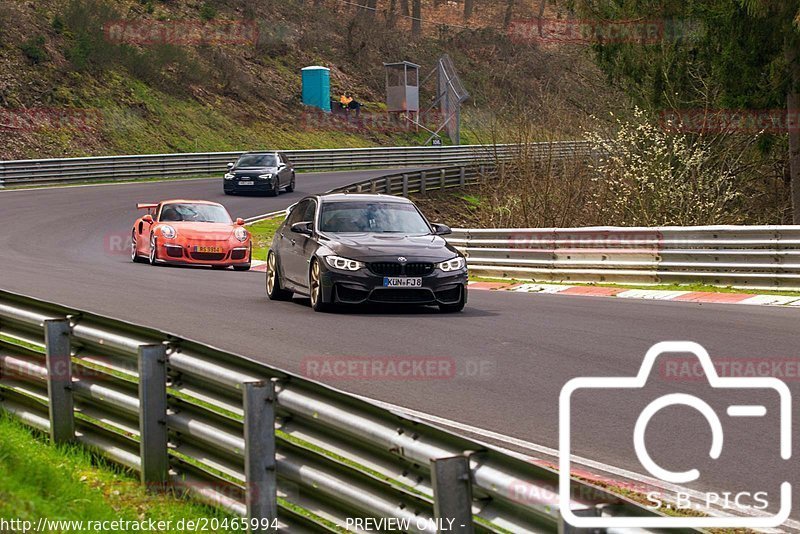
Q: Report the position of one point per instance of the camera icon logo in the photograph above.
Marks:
(676, 477)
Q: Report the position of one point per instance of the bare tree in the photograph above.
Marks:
(416, 14)
(509, 13)
(468, 5)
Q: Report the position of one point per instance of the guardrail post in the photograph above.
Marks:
(452, 494)
(462, 177)
(442, 179)
(388, 184)
(259, 455)
(405, 185)
(154, 436)
(373, 187)
(423, 176)
(59, 380)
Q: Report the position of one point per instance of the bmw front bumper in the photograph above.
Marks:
(364, 286)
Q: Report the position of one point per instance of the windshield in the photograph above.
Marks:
(257, 160)
(373, 217)
(211, 213)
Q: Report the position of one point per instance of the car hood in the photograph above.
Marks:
(369, 247)
(251, 172)
(203, 231)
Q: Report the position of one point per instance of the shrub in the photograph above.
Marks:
(34, 50)
(645, 175)
(208, 12)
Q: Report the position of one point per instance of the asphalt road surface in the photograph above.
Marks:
(512, 353)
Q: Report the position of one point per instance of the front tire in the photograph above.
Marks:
(315, 288)
(458, 306)
(275, 289)
(276, 188)
(243, 267)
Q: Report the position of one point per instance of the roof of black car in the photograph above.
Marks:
(259, 152)
(366, 197)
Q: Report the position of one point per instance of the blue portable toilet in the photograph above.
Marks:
(317, 87)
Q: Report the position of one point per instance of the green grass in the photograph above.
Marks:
(69, 483)
(660, 287)
(263, 232)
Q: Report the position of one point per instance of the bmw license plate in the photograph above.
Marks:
(247, 182)
(394, 281)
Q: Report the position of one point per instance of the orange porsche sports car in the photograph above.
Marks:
(193, 232)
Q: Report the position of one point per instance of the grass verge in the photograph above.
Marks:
(262, 233)
(68, 483)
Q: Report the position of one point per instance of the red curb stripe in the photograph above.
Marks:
(713, 297)
(592, 291)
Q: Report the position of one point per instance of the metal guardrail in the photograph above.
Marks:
(760, 257)
(71, 170)
(252, 439)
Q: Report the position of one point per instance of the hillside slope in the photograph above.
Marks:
(69, 87)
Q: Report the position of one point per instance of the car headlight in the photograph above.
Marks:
(344, 264)
(240, 234)
(229, 176)
(456, 264)
(168, 232)
(267, 176)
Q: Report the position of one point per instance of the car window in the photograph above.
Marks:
(298, 213)
(308, 213)
(372, 217)
(188, 212)
(257, 160)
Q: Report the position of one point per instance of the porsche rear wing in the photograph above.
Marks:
(151, 208)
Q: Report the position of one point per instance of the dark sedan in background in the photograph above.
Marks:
(356, 248)
(260, 172)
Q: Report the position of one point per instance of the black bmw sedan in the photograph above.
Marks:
(356, 248)
(259, 172)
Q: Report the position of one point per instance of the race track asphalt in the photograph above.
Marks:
(512, 352)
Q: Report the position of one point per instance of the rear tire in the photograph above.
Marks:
(457, 307)
(275, 289)
(135, 258)
(290, 187)
(315, 288)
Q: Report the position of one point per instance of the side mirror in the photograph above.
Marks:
(441, 229)
(305, 228)
(239, 221)
(148, 219)
(281, 165)
(230, 166)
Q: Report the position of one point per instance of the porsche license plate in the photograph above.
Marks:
(394, 281)
(246, 182)
(208, 249)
